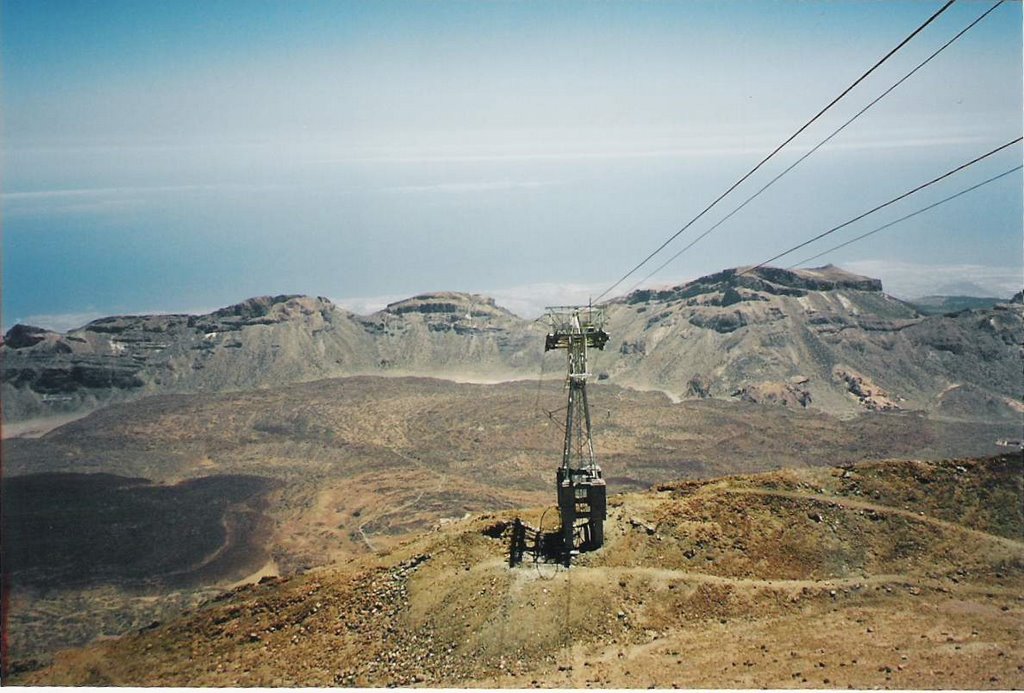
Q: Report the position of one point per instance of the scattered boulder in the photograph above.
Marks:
(870, 395)
(699, 386)
(720, 322)
(637, 347)
(774, 393)
(640, 524)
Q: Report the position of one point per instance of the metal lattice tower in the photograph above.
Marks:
(581, 490)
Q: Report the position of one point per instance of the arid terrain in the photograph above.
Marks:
(887, 574)
(824, 339)
(139, 510)
(153, 464)
(503, 344)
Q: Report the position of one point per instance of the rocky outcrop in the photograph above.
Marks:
(743, 284)
(450, 303)
(774, 393)
(720, 322)
(23, 336)
(867, 393)
(699, 386)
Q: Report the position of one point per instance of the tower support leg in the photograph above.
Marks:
(567, 512)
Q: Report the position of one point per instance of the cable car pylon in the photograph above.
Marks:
(581, 490)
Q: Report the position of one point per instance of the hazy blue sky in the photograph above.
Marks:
(162, 156)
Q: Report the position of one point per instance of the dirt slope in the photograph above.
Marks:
(416, 450)
(892, 574)
(351, 466)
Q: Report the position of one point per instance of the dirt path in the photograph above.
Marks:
(883, 509)
(268, 569)
(366, 539)
(35, 428)
(894, 579)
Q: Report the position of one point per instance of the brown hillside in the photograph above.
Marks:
(342, 468)
(892, 574)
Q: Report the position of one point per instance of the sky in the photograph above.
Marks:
(183, 156)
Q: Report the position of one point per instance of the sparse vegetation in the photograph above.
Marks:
(801, 578)
(341, 468)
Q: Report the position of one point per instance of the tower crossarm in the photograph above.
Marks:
(574, 325)
(560, 340)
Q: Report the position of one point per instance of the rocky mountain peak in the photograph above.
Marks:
(22, 336)
(284, 305)
(724, 288)
(728, 334)
(827, 278)
(452, 303)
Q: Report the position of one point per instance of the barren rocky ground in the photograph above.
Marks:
(341, 469)
(360, 459)
(219, 473)
(902, 574)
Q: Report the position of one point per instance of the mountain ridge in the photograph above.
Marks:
(796, 333)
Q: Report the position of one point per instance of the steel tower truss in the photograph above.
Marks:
(581, 490)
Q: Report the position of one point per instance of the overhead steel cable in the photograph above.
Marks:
(779, 148)
(894, 200)
(816, 147)
(909, 216)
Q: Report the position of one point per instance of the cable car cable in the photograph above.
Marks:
(894, 200)
(778, 148)
(901, 219)
(816, 147)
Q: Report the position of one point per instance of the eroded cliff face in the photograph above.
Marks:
(125, 356)
(263, 341)
(774, 336)
(793, 338)
(450, 334)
